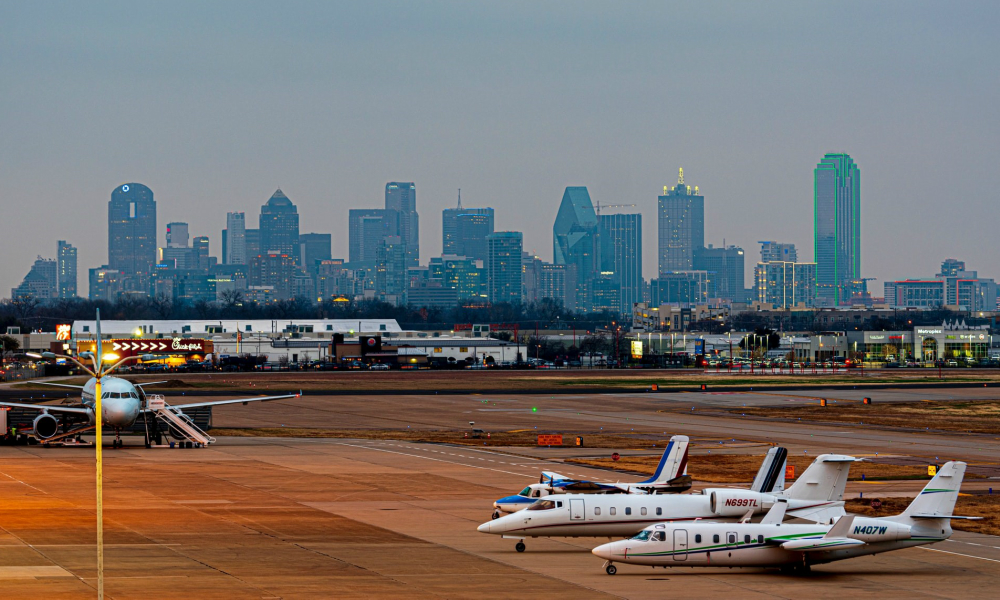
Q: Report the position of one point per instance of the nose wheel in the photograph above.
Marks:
(520, 547)
(496, 515)
(609, 568)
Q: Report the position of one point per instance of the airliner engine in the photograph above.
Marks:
(45, 426)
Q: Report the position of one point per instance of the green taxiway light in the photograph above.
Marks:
(534, 409)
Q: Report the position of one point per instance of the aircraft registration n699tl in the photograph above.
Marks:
(789, 546)
(815, 496)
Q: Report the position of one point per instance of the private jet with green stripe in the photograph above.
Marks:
(774, 543)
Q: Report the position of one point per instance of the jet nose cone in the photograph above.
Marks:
(484, 528)
(603, 551)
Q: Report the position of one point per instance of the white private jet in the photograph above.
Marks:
(670, 478)
(771, 543)
(122, 403)
(816, 496)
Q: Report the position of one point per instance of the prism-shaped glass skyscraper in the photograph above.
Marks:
(837, 214)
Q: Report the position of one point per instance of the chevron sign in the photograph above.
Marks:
(132, 347)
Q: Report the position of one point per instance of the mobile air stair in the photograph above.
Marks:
(179, 425)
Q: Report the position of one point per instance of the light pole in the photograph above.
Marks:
(97, 360)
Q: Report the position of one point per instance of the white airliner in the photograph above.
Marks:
(771, 543)
(670, 478)
(816, 496)
(122, 403)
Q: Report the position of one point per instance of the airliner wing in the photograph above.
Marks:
(49, 407)
(236, 401)
(65, 385)
(139, 385)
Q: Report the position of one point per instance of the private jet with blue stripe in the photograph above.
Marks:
(670, 477)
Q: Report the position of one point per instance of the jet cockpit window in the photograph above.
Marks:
(536, 493)
(525, 492)
(643, 535)
(659, 536)
(542, 505)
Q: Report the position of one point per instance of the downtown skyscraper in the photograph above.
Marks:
(837, 219)
(621, 256)
(401, 199)
(66, 269)
(279, 226)
(132, 234)
(464, 231)
(680, 226)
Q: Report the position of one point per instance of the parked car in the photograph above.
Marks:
(380, 367)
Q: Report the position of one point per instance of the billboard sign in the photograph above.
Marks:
(63, 332)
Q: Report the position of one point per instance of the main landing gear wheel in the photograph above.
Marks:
(496, 515)
(610, 569)
(519, 547)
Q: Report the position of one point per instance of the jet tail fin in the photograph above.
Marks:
(776, 514)
(673, 463)
(824, 480)
(841, 528)
(937, 499)
(771, 475)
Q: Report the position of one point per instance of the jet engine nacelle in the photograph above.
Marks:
(45, 426)
(736, 503)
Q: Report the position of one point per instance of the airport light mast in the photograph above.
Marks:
(97, 359)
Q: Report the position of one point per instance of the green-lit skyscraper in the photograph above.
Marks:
(837, 222)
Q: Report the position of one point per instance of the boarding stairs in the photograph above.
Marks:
(176, 421)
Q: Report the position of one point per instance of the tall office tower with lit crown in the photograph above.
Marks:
(235, 239)
(66, 269)
(621, 257)
(504, 267)
(132, 234)
(837, 218)
(401, 197)
(680, 226)
(279, 226)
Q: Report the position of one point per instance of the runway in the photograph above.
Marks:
(321, 518)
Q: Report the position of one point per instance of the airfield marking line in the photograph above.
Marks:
(435, 459)
(959, 554)
(974, 544)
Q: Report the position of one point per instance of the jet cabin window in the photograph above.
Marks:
(697, 538)
(613, 511)
(597, 511)
(760, 539)
(659, 511)
(715, 539)
(642, 511)
(746, 539)
(628, 510)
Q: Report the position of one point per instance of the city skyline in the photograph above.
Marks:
(743, 124)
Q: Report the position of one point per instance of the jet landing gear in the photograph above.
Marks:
(117, 442)
(520, 546)
(610, 568)
(496, 515)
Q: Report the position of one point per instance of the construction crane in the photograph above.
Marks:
(598, 206)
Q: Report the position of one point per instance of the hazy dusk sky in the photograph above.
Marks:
(214, 105)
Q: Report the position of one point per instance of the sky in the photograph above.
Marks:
(214, 105)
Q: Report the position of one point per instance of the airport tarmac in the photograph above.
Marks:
(693, 414)
(332, 518)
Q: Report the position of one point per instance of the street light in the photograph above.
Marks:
(97, 372)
